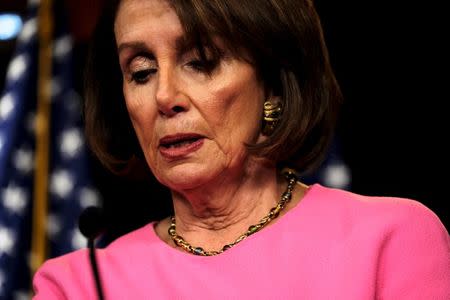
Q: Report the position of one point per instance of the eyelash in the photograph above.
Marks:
(141, 76)
(207, 66)
(202, 66)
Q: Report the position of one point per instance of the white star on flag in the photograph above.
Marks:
(63, 46)
(71, 142)
(17, 67)
(6, 106)
(78, 240)
(337, 175)
(61, 183)
(89, 197)
(23, 160)
(53, 225)
(29, 30)
(6, 241)
(14, 199)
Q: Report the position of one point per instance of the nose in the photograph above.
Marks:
(169, 96)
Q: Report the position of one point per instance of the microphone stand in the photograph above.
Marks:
(91, 223)
(93, 261)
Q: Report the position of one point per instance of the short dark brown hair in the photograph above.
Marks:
(283, 39)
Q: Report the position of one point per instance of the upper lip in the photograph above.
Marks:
(175, 138)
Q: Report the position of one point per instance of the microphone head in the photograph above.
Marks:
(91, 222)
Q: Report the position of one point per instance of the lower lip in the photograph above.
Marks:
(180, 152)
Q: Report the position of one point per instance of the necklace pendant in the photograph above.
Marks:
(252, 229)
(198, 251)
(226, 247)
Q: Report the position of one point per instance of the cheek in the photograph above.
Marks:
(242, 101)
(134, 99)
(237, 112)
(142, 115)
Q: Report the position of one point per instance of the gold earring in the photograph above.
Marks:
(272, 114)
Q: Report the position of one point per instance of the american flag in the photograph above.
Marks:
(69, 188)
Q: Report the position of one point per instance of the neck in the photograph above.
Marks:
(220, 211)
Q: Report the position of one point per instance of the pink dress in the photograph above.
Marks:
(332, 245)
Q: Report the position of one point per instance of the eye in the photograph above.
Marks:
(142, 76)
(141, 68)
(199, 65)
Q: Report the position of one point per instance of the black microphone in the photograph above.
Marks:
(91, 224)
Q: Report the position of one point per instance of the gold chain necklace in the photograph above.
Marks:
(273, 213)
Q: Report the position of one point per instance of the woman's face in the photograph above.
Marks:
(192, 124)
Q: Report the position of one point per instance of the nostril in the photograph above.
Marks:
(177, 109)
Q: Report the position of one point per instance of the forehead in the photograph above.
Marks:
(158, 7)
(133, 15)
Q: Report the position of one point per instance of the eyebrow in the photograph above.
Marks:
(181, 45)
(139, 46)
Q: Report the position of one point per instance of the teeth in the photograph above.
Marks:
(180, 144)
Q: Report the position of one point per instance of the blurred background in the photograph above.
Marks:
(390, 139)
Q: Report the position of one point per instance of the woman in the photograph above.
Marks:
(216, 97)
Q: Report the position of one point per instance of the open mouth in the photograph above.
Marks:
(178, 141)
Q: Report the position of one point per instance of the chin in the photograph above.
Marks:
(186, 176)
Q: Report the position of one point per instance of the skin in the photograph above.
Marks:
(219, 189)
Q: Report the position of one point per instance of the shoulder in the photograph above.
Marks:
(376, 220)
(66, 275)
(70, 275)
(375, 211)
(409, 244)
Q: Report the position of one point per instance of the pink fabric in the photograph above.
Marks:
(333, 245)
